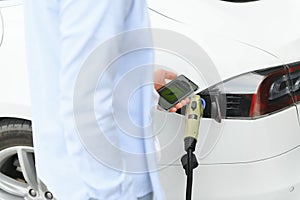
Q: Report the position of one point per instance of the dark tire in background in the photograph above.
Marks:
(15, 132)
(18, 179)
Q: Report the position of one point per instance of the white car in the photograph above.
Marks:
(253, 88)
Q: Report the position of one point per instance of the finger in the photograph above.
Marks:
(170, 75)
(173, 109)
(182, 103)
(157, 86)
(185, 101)
(179, 105)
(159, 78)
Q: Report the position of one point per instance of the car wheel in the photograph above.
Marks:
(18, 179)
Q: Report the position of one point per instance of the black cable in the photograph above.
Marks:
(189, 174)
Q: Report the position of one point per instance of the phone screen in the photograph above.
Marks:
(175, 91)
(172, 93)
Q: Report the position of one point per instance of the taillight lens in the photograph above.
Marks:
(254, 94)
(294, 73)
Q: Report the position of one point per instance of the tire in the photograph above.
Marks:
(15, 132)
(18, 178)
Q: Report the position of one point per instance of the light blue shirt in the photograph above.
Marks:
(60, 36)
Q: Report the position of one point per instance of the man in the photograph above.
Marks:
(61, 35)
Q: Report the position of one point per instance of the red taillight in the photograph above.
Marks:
(256, 94)
(294, 74)
(273, 93)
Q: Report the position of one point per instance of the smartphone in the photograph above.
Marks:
(175, 91)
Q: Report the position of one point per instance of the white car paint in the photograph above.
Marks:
(252, 159)
(14, 101)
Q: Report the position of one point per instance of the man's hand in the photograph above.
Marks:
(160, 77)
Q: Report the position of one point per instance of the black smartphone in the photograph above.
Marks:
(175, 91)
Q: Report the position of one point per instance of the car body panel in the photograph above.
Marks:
(1, 29)
(271, 25)
(239, 141)
(15, 101)
(250, 159)
(298, 111)
(271, 179)
(9, 3)
(278, 35)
